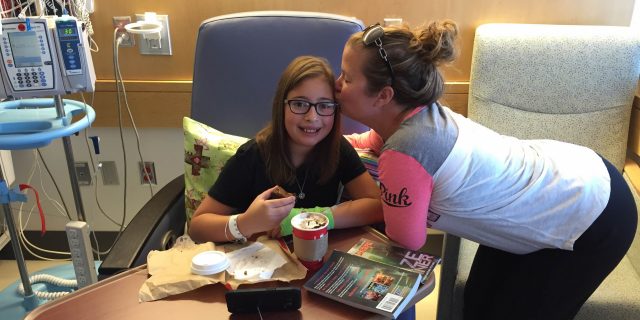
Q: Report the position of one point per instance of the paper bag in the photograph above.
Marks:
(170, 271)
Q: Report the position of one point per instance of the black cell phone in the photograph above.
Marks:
(264, 299)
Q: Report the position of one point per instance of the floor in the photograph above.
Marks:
(425, 309)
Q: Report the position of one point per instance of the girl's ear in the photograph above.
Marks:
(385, 95)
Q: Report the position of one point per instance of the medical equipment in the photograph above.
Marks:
(44, 57)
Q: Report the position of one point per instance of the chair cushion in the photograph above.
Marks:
(255, 47)
(529, 82)
(555, 69)
(206, 150)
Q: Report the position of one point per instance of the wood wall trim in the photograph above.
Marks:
(633, 143)
(163, 104)
(452, 87)
(632, 169)
(185, 86)
(145, 86)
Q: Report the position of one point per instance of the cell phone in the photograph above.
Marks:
(263, 299)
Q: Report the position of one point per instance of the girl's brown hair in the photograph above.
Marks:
(273, 139)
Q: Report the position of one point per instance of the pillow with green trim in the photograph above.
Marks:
(206, 150)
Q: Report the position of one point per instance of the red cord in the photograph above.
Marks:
(42, 222)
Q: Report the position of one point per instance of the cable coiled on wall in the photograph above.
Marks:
(60, 282)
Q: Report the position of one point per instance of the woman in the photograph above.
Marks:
(552, 219)
(301, 150)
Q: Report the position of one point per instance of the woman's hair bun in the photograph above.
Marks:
(437, 41)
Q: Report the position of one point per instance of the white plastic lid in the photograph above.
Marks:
(209, 262)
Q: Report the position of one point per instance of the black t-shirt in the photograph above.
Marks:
(244, 177)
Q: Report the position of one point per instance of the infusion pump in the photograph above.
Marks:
(44, 57)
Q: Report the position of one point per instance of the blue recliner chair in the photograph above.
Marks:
(238, 61)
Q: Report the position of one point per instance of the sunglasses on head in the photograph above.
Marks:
(373, 35)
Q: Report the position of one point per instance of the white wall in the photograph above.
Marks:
(6, 165)
(162, 146)
(635, 18)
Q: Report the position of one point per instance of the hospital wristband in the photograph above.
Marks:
(233, 228)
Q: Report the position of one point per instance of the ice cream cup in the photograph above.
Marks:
(310, 238)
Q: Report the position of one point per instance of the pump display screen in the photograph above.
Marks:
(67, 32)
(26, 49)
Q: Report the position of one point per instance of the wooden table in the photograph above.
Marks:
(117, 297)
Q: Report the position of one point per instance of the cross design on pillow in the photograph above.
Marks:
(197, 160)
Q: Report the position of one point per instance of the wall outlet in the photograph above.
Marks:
(147, 173)
(83, 173)
(392, 22)
(152, 46)
(109, 173)
(119, 22)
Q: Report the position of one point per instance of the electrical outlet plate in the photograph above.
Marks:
(119, 22)
(150, 175)
(109, 173)
(164, 49)
(83, 173)
(392, 22)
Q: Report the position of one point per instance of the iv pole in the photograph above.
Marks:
(30, 298)
(19, 141)
(66, 142)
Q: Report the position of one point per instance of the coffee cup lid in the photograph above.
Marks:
(209, 262)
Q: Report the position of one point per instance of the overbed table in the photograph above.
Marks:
(117, 297)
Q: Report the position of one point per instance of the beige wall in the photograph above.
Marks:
(152, 73)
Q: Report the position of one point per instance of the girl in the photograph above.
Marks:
(301, 150)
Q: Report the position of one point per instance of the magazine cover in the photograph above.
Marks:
(365, 284)
(421, 262)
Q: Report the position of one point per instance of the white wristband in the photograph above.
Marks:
(233, 228)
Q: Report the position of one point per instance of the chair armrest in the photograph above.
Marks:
(160, 219)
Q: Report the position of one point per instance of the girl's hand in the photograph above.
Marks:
(275, 233)
(264, 214)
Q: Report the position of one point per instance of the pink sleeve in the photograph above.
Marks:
(369, 139)
(406, 191)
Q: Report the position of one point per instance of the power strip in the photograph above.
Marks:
(81, 253)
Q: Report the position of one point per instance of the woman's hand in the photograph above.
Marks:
(264, 214)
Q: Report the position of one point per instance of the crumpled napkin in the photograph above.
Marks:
(254, 262)
(170, 270)
(291, 270)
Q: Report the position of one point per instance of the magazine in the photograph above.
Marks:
(366, 284)
(417, 261)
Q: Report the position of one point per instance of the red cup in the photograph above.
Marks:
(310, 238)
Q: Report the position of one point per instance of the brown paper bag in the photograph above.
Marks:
(170, 270)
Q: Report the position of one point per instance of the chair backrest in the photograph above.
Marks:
(240, 57)
(569, 83)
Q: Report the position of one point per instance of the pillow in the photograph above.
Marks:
(206, 150)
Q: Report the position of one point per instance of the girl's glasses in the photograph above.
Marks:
(323, 108)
